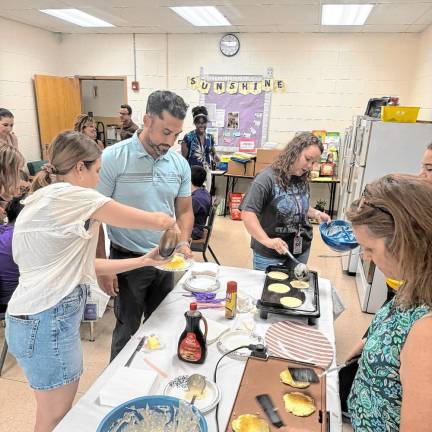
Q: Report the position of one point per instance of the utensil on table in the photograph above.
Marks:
(138, 348)
(269, 408)
(168, 243)
(301, 270)
(306, 374)
(196, 384)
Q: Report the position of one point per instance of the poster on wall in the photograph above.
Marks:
(237, 119)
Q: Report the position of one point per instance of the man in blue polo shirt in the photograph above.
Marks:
(143, 172)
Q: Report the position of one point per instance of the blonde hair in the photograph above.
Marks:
(396, 208)
(67, 149)
(11, 163)
(82, 121)
(282, 165)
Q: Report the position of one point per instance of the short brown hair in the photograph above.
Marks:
(67, 149)
(11, 163)
(396, 208)
(82, 121)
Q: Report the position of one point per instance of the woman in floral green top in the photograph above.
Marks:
(392, 388)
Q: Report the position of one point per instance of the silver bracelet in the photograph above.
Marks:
(183, 243)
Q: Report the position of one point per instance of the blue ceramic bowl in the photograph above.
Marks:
(156, 402)
(338, 235)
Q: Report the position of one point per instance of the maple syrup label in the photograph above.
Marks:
(190, 349)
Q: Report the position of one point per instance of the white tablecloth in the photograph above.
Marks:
(168, 322)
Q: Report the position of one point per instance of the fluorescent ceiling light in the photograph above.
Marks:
(77, 17)
(202, 16)
(345, 14)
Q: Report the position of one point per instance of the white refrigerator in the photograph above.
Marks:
(377, 148)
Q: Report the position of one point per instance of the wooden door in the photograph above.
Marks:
(58, 103)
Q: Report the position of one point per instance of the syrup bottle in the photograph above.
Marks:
(192, 343)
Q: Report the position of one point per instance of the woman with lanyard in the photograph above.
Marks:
(198, 147)
(86, 125)
(276, 208)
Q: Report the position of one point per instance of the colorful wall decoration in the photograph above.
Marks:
(238, 109)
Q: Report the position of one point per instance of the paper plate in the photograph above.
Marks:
(233, 339)
(201, 284)
(296, 341)
(178, 388)
(188, 264)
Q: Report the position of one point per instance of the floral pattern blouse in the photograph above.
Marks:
(376, 395)
(199, 154)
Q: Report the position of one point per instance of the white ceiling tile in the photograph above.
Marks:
(247, 16)
(384, 28)
(397, 13)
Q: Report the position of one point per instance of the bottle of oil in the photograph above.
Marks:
(192, 346)
(231, 300)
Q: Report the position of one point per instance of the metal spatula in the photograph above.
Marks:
(306, 374)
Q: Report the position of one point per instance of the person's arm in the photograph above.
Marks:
(254, 228)
(356, 350)
(319, 215)
(114, 266)
(416, 378)
(185, 221)
(123, 216)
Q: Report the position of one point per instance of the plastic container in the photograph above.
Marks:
(231, 300)
(192, 346)
(401, 114)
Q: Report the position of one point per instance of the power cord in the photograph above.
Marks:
(251, 347)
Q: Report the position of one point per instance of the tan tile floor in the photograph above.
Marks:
(231, 244)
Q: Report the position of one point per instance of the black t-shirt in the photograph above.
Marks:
(281, 213)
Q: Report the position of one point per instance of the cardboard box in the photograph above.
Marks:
(237, 168)
(261, 166)
(267, 155)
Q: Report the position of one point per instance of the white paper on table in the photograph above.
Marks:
(211, 109)
(126, 384)
(215, 330)
(220, 118)
(207, 268)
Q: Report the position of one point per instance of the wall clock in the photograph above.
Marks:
(229, 45)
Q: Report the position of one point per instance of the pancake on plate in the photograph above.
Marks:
(278, 288)
(249, 423)
(178, 262)
(299, 404)
(277, 275)
(287, 378)
(291, 302)
(299, 284)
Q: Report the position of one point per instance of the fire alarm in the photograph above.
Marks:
(135, 85)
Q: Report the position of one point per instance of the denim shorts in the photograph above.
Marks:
(261, 262)
(47, 345)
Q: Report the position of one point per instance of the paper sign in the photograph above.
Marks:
(247, 146)
(211, 109)
(220, 118)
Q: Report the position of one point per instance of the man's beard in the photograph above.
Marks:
(159, 149)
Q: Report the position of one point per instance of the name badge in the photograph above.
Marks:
(298, 245)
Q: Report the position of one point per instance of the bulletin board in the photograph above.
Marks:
(238, 122)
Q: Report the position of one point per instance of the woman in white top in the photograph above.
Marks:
(54, 246)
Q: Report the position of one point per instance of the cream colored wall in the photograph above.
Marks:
(25, 51)
(422, 79)
(329, 76)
